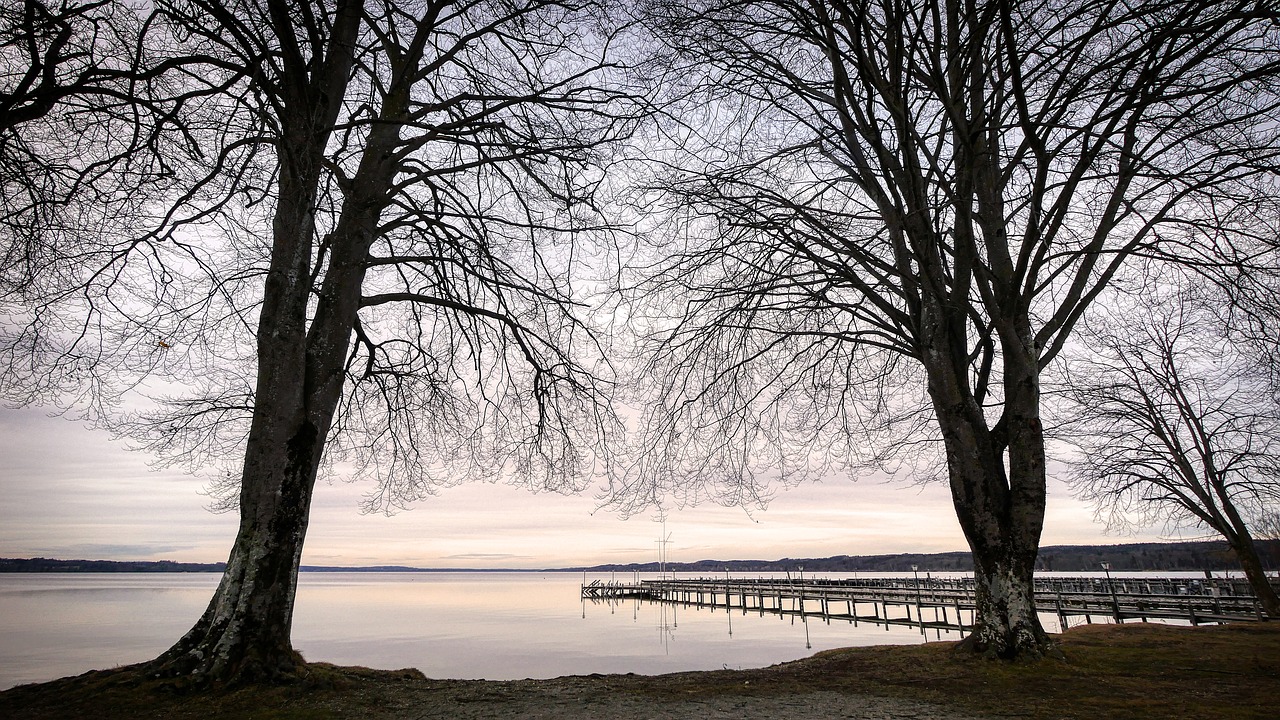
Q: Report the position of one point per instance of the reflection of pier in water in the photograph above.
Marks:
(947, 603)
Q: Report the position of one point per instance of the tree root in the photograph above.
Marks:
(977, 646)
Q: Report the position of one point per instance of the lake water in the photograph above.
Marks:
(497, 626)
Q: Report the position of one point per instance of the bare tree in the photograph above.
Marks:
(1170, 427)
(886, 215)
(1266, 525)
(1244, 295)
(380, 208)
(74, 70)
(69, 51)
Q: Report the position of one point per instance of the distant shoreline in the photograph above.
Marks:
(1130, 557)
(49, 565)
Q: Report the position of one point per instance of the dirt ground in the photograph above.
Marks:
(630, 698)
(784, 692)
(1133, 671)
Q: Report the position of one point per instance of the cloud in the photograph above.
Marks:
(111, 551)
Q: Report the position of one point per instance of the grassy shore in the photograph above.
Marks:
(1128, 671)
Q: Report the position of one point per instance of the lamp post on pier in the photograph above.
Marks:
(915, 570)
(1111, 588)
(728, 602)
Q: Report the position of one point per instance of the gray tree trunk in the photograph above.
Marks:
(1000, 509)
(1241, 542)
(245, 633)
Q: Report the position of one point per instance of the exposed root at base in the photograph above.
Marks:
(191, 671)
(976, 646)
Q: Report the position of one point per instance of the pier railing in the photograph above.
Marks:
(949, 602)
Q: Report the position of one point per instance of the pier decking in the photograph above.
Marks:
(948, 603)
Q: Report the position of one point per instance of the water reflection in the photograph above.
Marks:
(60, 624)
(449, 625)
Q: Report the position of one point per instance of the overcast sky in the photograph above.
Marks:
(67, 492)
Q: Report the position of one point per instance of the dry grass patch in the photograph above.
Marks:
(1132, 671)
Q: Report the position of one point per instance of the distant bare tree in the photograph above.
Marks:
(1266, 525)
(375, 213)
(1171, 428)
(1246, 297)
(885, 216)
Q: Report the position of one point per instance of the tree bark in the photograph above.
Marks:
(1241, 542)
(1000, 509)
(1258, 579)
(1002, 525)
(244, 634)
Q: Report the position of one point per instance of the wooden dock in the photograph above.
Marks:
(948, 603)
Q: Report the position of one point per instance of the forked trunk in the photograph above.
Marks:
(1003, 531)
(244, 635)
(997, 479)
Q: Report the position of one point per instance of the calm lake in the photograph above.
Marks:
(497, 626)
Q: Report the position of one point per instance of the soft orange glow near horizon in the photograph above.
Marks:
(71, 493)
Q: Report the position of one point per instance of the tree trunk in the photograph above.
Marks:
(1006, 624)
(1000, 509)
(1002, 526)
(244, 634)
(1258, 579)
(1242, 545)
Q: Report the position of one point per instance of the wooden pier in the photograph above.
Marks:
(948, 603)
(616, 591)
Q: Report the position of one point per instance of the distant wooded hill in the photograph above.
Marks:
(1060, 558)
(1186, 556)
(29, 565)
(38, 565)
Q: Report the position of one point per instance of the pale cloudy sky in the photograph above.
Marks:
(67, 492)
